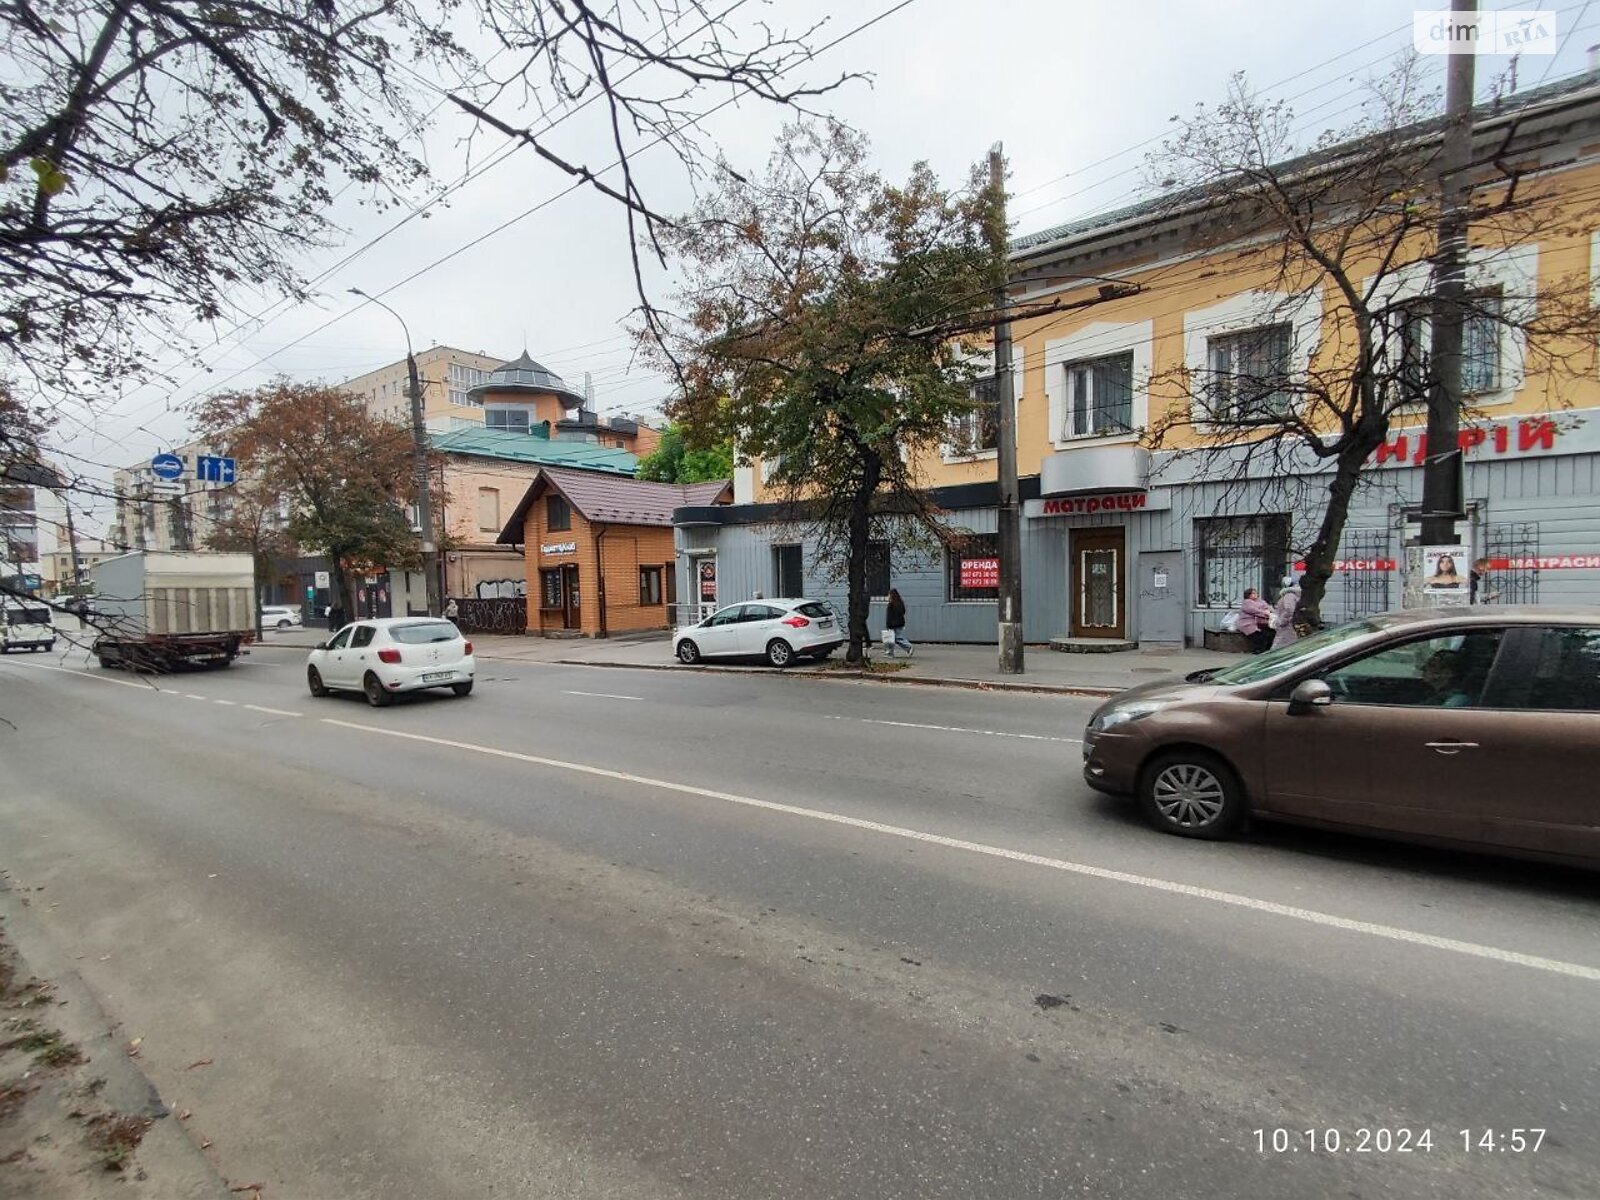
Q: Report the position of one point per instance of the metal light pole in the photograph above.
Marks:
(419, 456)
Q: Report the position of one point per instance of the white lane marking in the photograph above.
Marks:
(229, 703)
(149, 687)
(601, 695)
(1272, 907)
(277, 712)
(192, 696)
(1032, 737)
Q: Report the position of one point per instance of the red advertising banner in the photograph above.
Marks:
(980, 572)
(1548, 562)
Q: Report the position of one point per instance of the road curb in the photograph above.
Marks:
(976, 685)
(166, 1154)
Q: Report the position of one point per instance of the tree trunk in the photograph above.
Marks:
(860, 527)
(1348, 467)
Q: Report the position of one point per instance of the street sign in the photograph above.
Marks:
(322, 579)
(208, 469)
(167, 466)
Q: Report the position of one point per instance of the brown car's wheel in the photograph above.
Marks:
(1192, 794)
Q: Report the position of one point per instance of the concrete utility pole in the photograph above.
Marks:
(1442, 483)
(419, 458)
(72, 544)
(1010, 508)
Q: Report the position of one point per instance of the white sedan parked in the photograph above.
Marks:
(389, 655)
(779, 631)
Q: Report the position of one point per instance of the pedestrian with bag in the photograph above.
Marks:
(1253, 619)
(1284, 613)
(894, 620)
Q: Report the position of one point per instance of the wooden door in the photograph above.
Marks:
(1099, 570)
(571, 605)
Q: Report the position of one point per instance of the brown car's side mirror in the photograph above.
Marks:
(1310, 693)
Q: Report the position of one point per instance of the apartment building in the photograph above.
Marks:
(1133, 531)
(448, 377)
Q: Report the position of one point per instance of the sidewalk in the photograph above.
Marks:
(1045, 670)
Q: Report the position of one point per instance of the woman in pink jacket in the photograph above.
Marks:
(1255, 621)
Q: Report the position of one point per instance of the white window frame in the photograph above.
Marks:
(1219, 345)
(950, 450)
(1079, 374)
(1239, 313)
(1513, 273)
(1098, 339)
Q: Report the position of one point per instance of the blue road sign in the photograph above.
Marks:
(213, 470)
(167, 466)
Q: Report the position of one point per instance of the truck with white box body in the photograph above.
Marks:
(161, 610)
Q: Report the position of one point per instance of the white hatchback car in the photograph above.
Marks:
(778, 630)
(280, 616)
(389, 655)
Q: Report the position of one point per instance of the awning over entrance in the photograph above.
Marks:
(1124, 468)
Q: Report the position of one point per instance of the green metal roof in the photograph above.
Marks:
(523, 447)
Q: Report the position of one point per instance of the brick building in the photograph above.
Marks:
(598, 550)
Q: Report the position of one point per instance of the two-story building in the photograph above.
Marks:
(1136, 526)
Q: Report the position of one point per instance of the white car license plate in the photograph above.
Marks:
(825, 623)
(437, 676)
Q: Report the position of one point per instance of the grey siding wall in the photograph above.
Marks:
(1552, 502)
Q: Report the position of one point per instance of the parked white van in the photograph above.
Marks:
(25, 625)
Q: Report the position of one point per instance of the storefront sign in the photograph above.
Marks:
(708, 581)
(1529, 435)
(1550, 562)
(1100, 502)
(980, 572)
(559, 548)
(1358, 564)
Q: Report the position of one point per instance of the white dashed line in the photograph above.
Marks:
(229, 703)
(601, 695)
(1032, 737)
(1171, 887)
(192, 696)
(148, 687)
(276, 712)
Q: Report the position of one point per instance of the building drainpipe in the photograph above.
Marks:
(600, 576)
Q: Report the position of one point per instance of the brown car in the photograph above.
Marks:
(1477, 728)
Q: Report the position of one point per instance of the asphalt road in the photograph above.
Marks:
(615, 933)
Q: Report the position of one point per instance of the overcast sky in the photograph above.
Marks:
(1078, 92)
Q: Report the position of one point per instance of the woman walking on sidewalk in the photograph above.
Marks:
(895, 623)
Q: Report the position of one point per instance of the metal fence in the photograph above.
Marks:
(1518, 542)
(1365, 590)
(507, 614)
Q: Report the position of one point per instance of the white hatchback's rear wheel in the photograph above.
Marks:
(372, 687)
(779, 652)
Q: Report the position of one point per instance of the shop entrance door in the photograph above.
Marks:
(1098, 590)
(571, 605)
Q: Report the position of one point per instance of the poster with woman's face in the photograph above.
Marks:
(1446, 571)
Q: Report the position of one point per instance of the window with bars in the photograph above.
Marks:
(1099, 398)
(1235, 553)
(972, 567)
(1248, 376)
(977, 430)
(1411, 343)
